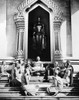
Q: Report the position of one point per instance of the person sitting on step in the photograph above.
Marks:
(57, 86)
(4, 68)
(56, 66)
(17, 81)
(27, 73)
(68, 77)
(38, 65)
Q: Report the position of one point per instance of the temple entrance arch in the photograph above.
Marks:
(46, 50)
(55, 21)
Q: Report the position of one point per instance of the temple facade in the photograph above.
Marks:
(52, 38)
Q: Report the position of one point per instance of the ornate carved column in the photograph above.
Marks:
(57, 24)
(19, 21)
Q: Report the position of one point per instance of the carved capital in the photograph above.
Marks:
(57, 24)
(19, 20)
(18, 17)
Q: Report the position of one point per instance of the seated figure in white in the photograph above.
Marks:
(57, 86)
(38, 65)
(4, 69)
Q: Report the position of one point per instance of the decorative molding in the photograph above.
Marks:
(18, 17)
(57, 25)
(27, 3)
(19, 20)
(58, 12)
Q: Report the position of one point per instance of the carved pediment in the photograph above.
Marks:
(58, 12)
(27, 3)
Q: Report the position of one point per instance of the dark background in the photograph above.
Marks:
(44, 16)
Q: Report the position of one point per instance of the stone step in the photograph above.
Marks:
(4, 78)
(8, 91)
(14, 97)
(3, 81)
(9, 95)
(40, 88)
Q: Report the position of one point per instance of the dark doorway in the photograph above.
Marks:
(35, 47)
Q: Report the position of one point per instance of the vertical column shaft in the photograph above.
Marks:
(57, 36)
(20, 39)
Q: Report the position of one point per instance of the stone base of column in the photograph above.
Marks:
(20, 55)
(58, 56)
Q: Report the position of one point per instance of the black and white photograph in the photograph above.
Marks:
(39, 51)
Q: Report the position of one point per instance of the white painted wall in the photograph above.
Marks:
(3, 42)
(75, 34)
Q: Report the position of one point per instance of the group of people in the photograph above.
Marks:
(23, 71)
(65, 72)
(61, 75)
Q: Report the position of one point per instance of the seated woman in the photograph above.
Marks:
(4, 68)
(57, 86)
(38, 65)
(70, 69)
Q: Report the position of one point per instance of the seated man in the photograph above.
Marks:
(62, 70)
(17, 81)
(38, 66)
(48, 71)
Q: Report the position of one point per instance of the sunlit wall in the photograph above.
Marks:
(63, 38)
(3, 42)
(75, 34)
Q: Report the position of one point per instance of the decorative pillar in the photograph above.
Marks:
(19, 21)
(57, 25)
(69, 33)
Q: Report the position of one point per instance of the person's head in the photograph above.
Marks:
(38, 58)
(17, 63)
(3, 63)
(67, 63)
(29, 61)
(56, 64)
(22, 61)
(56, 72)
